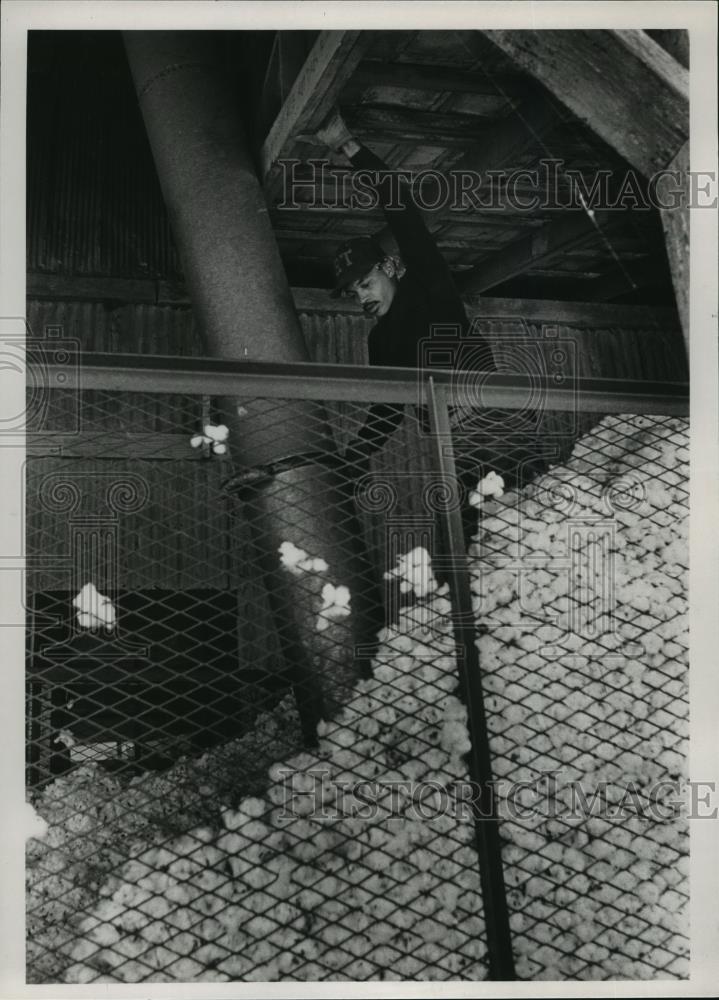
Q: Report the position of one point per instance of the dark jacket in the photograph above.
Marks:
(426, 300)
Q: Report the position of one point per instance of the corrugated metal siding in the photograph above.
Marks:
(121, 328)
(177, 539)
(613, 352)
(94, 204)
(127, 329)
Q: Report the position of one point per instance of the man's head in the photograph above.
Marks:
(363, 270)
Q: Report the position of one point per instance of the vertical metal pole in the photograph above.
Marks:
(486, 825)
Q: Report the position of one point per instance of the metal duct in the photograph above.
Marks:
(219, 219)
(244, 306)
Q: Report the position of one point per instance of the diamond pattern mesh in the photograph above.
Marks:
(580, 587)
(249, 747)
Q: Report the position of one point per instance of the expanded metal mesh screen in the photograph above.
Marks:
(580, 588)
(250, 743)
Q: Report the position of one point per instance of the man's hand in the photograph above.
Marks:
(334, 133)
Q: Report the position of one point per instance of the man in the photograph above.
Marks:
(409, 303)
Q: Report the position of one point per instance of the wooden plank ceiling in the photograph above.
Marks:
(453, 99)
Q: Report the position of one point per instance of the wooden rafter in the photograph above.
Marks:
(529, 123)
(622, 84)
(571, 230)
(630, 91)
(371, 74)
(675, 41)
(415, 126)
(676, 232)
(317, 87)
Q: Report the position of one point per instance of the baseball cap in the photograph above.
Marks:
(354, 260)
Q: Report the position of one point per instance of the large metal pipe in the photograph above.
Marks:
(244, 306)
(229, 253)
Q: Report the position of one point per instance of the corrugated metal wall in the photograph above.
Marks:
(639, 348)
(94, 204)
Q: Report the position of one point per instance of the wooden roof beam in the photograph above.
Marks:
(555, 238)
(371, 74)
(316, 89)
(631, 92)
(531, 122)
(675, 41)
(412, 126)
(622, 84)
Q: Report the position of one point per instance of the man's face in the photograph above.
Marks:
(375, 291)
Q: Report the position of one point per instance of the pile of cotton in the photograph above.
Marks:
(349, 863)
(581, 586)
(335, 873)
(94, 822)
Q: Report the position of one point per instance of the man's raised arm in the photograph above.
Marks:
(417, 247)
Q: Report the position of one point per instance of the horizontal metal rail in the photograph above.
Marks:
(306, 380)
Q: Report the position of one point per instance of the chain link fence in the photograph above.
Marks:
(265, 704)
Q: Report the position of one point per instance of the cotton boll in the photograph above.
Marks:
(386, 715)
(104, 935)
(35, 826)
(335, 605)
(491, 485)
(130, 894)
(107, 911)
(401, 644)
(648, 893)
(94, 608)
(297, 561)
(673, 902)
(430, 931)
(80, 974)
(84, 948)
(157, 908)
(216, 432)
(454, 738)
(475, 499)
(652, 643)
(186, 970)
(318, 565)
(87, 597)
(452, 708)
(133, 921)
